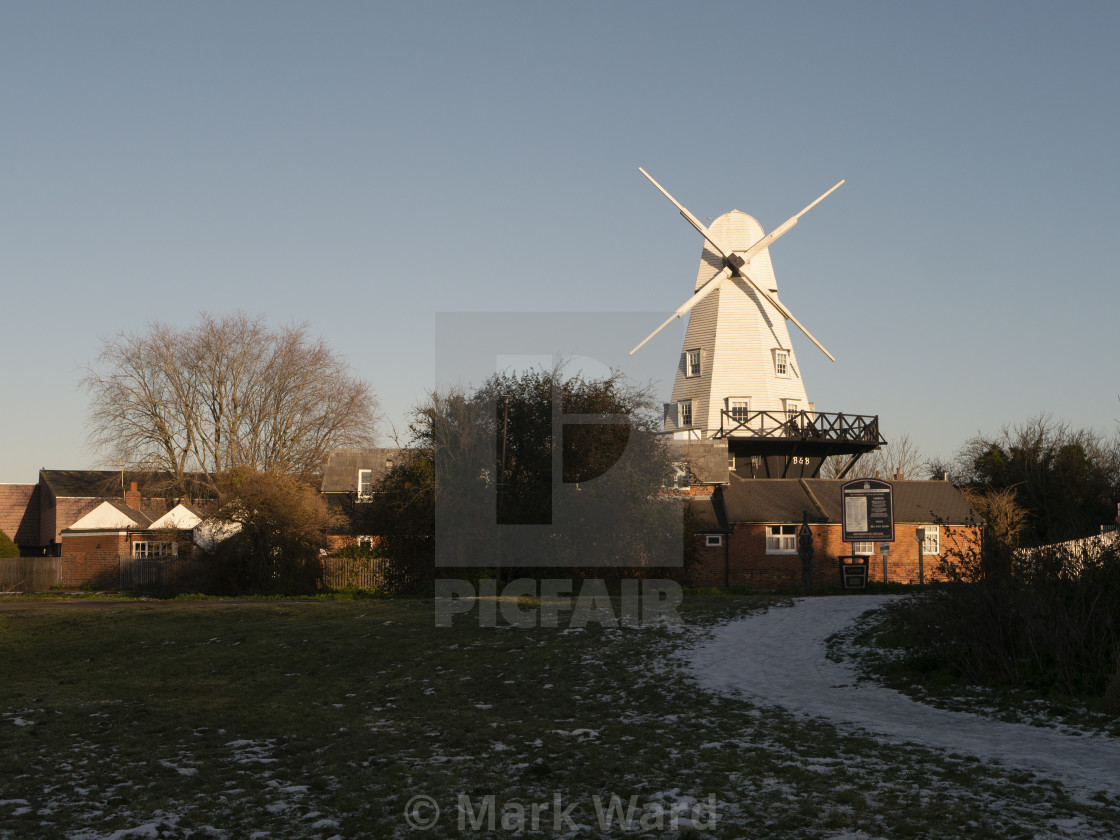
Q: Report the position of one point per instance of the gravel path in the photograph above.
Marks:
(778, 658)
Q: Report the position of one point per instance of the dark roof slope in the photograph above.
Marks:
(341, 474)
(779, 500)
(104, 484)
(709, 512)
(86, 484)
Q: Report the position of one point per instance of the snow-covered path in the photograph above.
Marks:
(778, 658)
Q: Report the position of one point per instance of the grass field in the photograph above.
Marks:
(324, 719)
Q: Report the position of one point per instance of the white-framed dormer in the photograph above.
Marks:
(365, 484)
(693, 363)
(782, 363)
(684, 414)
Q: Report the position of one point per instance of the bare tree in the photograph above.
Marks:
(901, 457)
(227, 392)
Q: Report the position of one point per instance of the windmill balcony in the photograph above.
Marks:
(816, 427)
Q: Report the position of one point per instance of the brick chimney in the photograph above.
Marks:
(132, 496)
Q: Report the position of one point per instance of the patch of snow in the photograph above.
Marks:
(779, 658)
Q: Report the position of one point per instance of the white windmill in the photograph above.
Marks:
(738, 379)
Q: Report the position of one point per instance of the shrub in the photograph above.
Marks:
(7, 547)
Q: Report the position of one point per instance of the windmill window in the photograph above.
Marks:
(692, 363)
(792, 407)
(781, 362)
(781, 539)
(739, 408)
(684, 412)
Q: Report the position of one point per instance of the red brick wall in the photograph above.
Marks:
(63, 513)
(19, 513)
(93, 560)
(746, 562)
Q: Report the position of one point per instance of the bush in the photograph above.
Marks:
(1046, 620)
(7, 547)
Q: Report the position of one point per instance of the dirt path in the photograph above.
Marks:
(778, 658)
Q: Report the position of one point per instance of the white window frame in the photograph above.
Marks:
(153, 549)
(367, 491)
(793, 408)
(682, 476)
(781, 363)
(713, 540)
(781, 539)
(366, 540)
(863, 548)
(739, 404)
(684, 414)
(931, 545)
(693, 363)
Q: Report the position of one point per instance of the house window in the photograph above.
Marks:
(682, 476)
(739, 408)
(713, 540)
(365, 483)
(684, 412)
(781, 539)
(781, 362)
(691, 362)
(365, 541)
(932, 542)
(731, 461)
(863, 548)
(146, 549)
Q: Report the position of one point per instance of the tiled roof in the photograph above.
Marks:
(709, 512)
(341, 474)
(784, 499)
(104, 484)
(707, 460)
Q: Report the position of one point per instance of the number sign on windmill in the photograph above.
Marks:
(738, 380)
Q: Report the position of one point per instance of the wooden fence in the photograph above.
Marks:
(161, 574)
(29, 574)
(352, 573)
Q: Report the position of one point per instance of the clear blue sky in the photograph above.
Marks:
(364, 166)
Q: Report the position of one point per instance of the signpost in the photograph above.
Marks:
(867, 514)
(867, 510)
(805, 552)
(920, 535)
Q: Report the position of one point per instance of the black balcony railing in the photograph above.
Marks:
(801, 425)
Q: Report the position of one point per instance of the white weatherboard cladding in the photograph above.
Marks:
(737, 332)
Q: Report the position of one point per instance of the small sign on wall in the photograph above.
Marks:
(867, 510)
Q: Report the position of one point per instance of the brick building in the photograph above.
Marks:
(748, 531)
